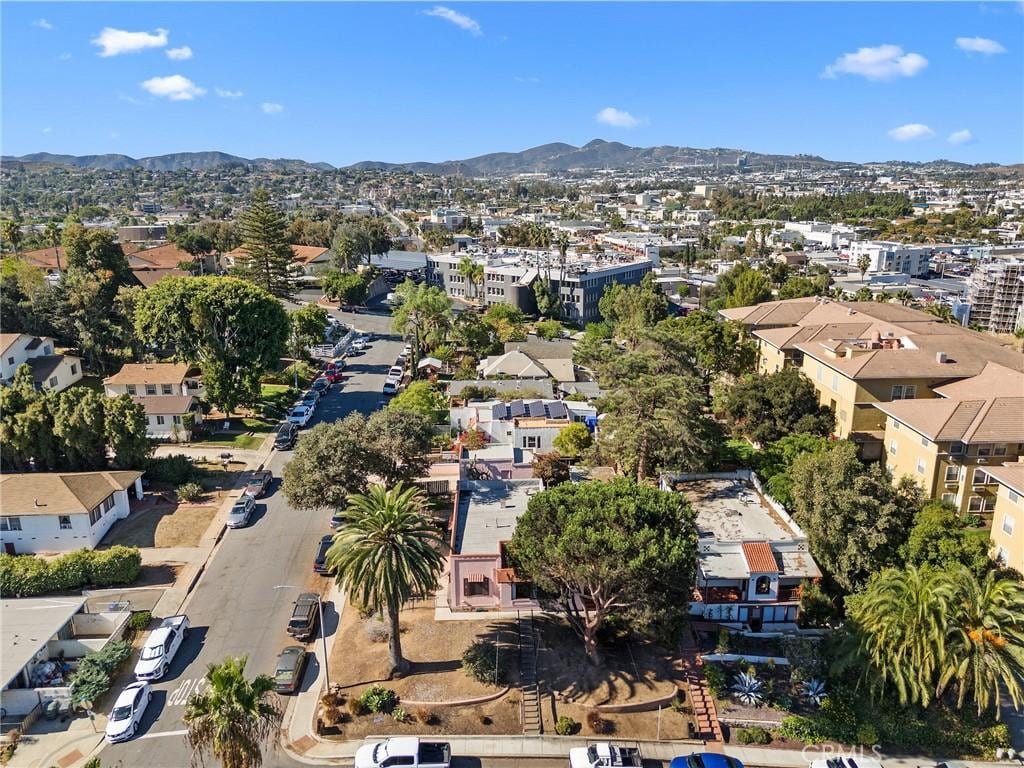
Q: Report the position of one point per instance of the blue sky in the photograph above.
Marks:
(411, 81)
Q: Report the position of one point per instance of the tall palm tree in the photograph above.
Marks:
(12, 234)
(473, 272)
(385, 554)
(986, 644)
(232, 718)
(52, 235)
(900, 624)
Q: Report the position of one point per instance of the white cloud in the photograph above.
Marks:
(42, 24)
(960, 137)
(460, 20)
(117, 41)
(224, 93)
(179, 54)
(979, 45)
(911, 131)
(270, 108)
(617, 118)
(173, 87)
(885, 62)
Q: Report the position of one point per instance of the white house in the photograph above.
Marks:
(523, 424)
(168, 392)
(50, 370)
(63, 511)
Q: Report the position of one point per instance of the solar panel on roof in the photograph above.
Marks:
(557, 410)
(517, 408)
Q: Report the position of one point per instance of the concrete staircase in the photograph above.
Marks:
(532, 724)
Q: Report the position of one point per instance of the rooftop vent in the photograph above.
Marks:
(940, 357)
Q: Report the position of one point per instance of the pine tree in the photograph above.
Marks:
(267, 253)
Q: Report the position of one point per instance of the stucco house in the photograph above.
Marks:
(168, 392)
(50, 369)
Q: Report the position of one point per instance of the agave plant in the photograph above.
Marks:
(748, 689)
(814, 691)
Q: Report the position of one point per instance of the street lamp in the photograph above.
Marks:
(323, 631)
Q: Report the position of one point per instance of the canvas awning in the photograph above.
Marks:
(475, 578)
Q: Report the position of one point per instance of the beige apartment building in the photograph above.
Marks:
(1008, 518)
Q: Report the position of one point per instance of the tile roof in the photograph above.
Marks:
(165, 405)
(301, 254)
(56, 493)
(162, 256)
(1010, 474)
(149, 373)
(759, 557)
(997, 420)
(995, 380)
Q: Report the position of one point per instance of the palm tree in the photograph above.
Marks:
(941, 311)
(903, 296)
(232, 717)
(52, 235)
(473, 272)
(12, 234)
(863, 262)
(387, 553)
(986, 644)
(900, 624)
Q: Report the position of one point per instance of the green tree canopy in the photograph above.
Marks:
(423, 316)
(632, 309)
(608, 548)
(548, 329)
(767, 407)
(308, 324)
(125, 430)
(420, 397)
(265, 253)
(346, 287)
(573, 439)
(940, 538)
(79, 424)
(855, 518)
(507, 322)
(233, 329)
(715, 346)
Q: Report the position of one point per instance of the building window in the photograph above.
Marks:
(160, 420)
(949, 498)
(165, 389)
(53, 382)
(981, 477)
(892, 447)
(925, 441)
(151, 389)
(896, 426)
(956, 449)
(1008, 525)
(763, 585)
(130, 389)
(10, 523)
(1014, 497)
(531, 441)
(952, 474)
(10, 361)
(835, 382)
(1002, 557)
(74, 369)
(819, 372)
(977, 504)
(65, 522)
(476, 588)
(176, 419)
(904, 391)
(920, 466)
(999, 450)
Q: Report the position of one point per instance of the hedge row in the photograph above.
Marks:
(28, 576)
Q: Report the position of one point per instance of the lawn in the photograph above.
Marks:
(165, 524)
(246, 433)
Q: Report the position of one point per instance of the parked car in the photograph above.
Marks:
(390, 386)
(311, 397)
(406, 751)
(128, 710)
(396, 372)
(320, 563)
(321, 385)
(705, 760)
(337, 518)
(291, 664)
(160, 648)
(334, 376)
(603, 754)
(305, 616)
(300, 415)
(285, 437)
(361, 343)
(241, 511)
(407, 350)
(259, 483)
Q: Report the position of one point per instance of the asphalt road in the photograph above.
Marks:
(242, 602)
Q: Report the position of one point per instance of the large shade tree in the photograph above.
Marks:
(604, 548)
(232, 718)
(423, 316)
(387, 553)
(265, 254)
(766, 408)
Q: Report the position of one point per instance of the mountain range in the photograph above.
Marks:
(593, 156)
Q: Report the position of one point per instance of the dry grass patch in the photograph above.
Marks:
(165, 525)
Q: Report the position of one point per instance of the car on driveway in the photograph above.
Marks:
(291, 664)
(161, 647)
(705, 760)
(259, 483)
(300, 415)
(305, 615)
(241, 511)
(311, 397)
(128, 710)
(320, 562)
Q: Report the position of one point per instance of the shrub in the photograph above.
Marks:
(804, 729)
(425, 717)
(379, 699)
(598, 724)
(400, 715)
(755, 735)
(174, 470)
(92, 762)
(377, 632)
(566, 726)
(93, 677)
(28, 576)
(867, 735)
(722, 646)
(24, 576)
(71, 571)
(485, 720)
(715, 676)
(117, 565)
(356, 707)
(140, 620)
(484, 663)
(189, 492)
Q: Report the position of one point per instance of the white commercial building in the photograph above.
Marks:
(888, 256)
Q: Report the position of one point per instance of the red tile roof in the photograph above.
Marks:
(759, 557)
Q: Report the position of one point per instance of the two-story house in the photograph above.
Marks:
(1008, 517)
(50, 369)
(168, 392)
(63, 511)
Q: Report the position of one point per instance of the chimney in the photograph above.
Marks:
(940, 357)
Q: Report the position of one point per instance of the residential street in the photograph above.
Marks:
(235, 608)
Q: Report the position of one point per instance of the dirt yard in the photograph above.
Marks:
(165, 524)
(435, 650)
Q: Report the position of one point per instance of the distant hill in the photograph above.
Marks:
(174, 162)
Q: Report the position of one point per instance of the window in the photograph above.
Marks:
(1008, 523)
(904, 391)
(160, 420)
(999, 450)
(978, 504)
(952, 474)
(531, 441)
(819, 372)
(10, 361)
(920, 466)
(151, 389)
(476, 588)
(10, 523)
(984, 450)
(53, 382)
(65, 522)
(981, 477)
(131, 389)
(835, 381)
(94, 515)
(176, 419)
(949, 498)
(165, 389)
(1002, 557)
(892, 447)
(47, 350)
(1014, 497)
(763, 585)
(896, 426)
(956, 449)
(74, 369)
(925, 441)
